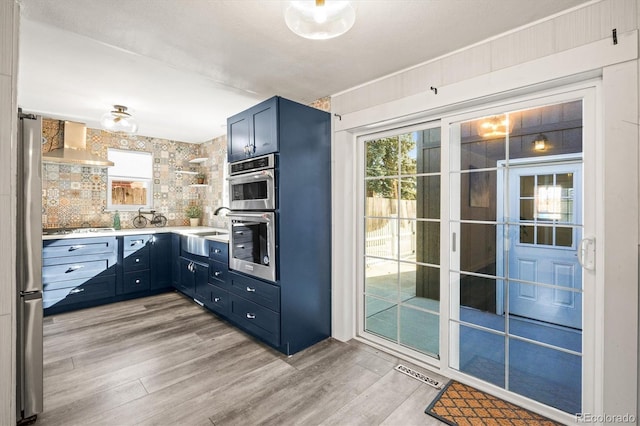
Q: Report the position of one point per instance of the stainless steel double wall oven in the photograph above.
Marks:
(252, 237)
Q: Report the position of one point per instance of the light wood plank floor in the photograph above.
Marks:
(164, 360)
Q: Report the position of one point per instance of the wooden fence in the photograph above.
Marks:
(389, 238)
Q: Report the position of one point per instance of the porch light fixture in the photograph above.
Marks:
(319, 19)
(494, 127)
(540, 143)
(119, 121)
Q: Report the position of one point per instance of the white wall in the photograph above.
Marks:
(566, 48)
(8, 65)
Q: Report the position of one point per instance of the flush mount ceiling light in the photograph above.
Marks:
(494, 127)
(119, 121)
(319, 19)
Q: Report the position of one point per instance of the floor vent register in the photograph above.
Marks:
(419, 376)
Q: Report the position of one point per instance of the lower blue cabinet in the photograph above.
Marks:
(136, 281)
(217, 300)
(63, 294)
(78, 272)
(256, 319)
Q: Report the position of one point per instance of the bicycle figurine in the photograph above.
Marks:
(157, 219)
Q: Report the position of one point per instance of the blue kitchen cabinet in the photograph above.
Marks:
(194, 275)
(161, 266)
(175, 260)
(299, 301)
(216, 297)
(254, 306)
(135, 264)
(78, 272)
(253, 132)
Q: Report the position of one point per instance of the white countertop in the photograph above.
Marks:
(184, 230)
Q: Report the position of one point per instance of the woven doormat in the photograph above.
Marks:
(462, 405)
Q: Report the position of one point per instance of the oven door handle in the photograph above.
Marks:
(245, 177)
(247, 215)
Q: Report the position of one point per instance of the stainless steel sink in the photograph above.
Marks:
(206, 233)
(195, 243)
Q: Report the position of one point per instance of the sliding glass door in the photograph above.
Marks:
(516, 220)
(476, 245)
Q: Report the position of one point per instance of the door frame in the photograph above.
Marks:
(589, 92)
(550, 160)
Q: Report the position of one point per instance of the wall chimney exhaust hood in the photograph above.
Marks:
(74, 150)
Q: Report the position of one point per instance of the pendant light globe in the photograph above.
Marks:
(119, 121)
(319, 19)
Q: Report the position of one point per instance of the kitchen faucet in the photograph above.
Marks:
(221, 208)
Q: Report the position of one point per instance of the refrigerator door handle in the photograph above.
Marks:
(32, 357)
(30, 209)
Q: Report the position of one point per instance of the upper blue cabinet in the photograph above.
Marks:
(253, 132)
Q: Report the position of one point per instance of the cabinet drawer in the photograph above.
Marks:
(135, 242)
(97, 288)
(219, 251)
(77, 270)
(136, 281)
(218, 300)
(219, 273)
(78, 247)
(265, 294)
(256, 319)
(136, 261)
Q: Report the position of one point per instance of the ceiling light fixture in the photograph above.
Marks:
(494, 127)
(119, 121)
(319, 19)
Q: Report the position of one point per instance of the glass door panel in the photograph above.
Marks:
(516, 218)
(402, 239)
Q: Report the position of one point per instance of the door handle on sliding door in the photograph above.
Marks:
(587, 253)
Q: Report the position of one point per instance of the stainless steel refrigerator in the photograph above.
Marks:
(29, 392)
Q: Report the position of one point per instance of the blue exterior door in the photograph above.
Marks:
(544, 232)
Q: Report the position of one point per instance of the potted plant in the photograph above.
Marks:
(193, 213)
(200, 178)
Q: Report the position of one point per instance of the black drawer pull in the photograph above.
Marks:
(251, 289)
(73, 268)
(251, 316)
(76, 290)
(78, 247)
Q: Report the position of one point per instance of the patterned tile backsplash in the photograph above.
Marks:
(75, 195)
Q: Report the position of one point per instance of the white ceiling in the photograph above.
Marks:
(183, 67)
